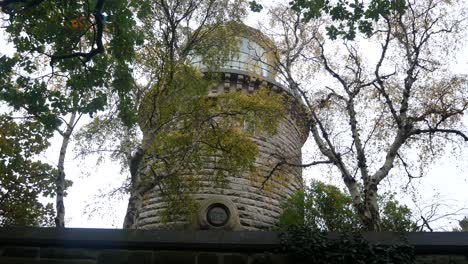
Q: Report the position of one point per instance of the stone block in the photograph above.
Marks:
(23, 252)
(260, 259)
(65, 261)
(113, 257)
(141, 257)
(441, 259)
(208, 258)
(179, 257)
(235, 259)
(13, 260)
(68, 253)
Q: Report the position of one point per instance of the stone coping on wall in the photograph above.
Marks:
(140, 239)
(239, 241)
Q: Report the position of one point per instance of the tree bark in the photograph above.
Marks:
(136, 190)
(60, 180)
(135, 200)
(133, 207)
(140, 183)
(370, 215)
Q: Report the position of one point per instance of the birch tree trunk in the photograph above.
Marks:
(136, 189)
(60, 180)
(133, 208)
(135, 200)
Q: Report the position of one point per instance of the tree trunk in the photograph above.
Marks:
(60, 180)
(135, 200)
(137, 190)
(370, 215)
(370, 218)
(365, 204)
(134, 205)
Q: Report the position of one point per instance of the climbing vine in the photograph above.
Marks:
(307, 245)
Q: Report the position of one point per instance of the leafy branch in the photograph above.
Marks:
(98, 34)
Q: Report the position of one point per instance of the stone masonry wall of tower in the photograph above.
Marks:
(240, 203)
(257, 209)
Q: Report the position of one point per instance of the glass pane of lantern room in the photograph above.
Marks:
(244, 48)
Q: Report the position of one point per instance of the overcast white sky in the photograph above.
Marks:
(446, 182)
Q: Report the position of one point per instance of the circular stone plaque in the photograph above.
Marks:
(217, 215)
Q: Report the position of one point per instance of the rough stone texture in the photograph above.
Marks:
(442, 259)
(113, 256)
(258, 209)
(99, 246)
(171, 257)
(120, 256)
(235, 259)
(68, 253)
(182, 257)
(27, 252)
(208, 258)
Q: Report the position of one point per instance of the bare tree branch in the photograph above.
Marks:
(440, 130)
(285, 162)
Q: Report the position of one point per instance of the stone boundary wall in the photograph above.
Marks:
(106, 246)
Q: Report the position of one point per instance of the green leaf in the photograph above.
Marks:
(255, 7)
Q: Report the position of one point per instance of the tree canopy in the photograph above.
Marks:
(380, 99)
(348, 17)
(59, 71)
(24, 179)
(326, 208)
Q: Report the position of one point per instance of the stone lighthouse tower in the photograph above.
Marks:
(241, 204)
